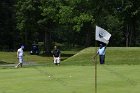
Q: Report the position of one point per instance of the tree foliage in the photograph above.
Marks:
(70, 22)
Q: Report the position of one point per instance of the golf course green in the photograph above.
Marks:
(76, 74)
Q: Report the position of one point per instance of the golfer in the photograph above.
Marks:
(56, 55)
(101, 53)
(20, 56)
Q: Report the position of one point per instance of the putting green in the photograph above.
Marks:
(70, 79)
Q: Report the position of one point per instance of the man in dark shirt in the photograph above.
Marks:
(56, 55)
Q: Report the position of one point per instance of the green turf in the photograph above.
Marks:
(120, 74)
(119, 55)
(71, 79)
(36, 80)
(118, 79)
(114, 56)
(11, 57)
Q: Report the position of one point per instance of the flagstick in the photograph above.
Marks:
(102, 36)
(95, 76)
(95, 68)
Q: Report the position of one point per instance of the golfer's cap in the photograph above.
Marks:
(101, 44)
(22, 46)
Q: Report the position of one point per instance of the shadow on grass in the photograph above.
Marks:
(63, 56)
(3, 62)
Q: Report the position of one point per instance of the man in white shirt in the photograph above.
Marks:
(101, 53)
(20, 54)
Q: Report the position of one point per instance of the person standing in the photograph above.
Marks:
(101, 53)
(56, 55)
(20, 54)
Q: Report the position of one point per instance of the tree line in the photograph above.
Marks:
(68, 22)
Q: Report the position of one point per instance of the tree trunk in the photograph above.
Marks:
(134, 31)
(130, 36)
(127, 40)
(127, 36)
(26, 39)
(88, 38)
(47, 42)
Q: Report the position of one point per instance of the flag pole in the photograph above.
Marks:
(95, 62)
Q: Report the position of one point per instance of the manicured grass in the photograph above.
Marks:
(120, 74)
(71, 79)
(122, 55)
(118, 79)
(114, 56)
(11, 57)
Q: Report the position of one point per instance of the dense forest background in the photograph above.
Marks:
(67, 23)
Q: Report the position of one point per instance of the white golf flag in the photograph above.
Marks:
(102, 35)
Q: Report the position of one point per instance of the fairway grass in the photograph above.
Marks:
(76, 74)
(71, 79)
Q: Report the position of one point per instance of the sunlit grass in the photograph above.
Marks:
(120, 74)
(114, 56)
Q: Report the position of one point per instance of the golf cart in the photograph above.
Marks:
(34, 49)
